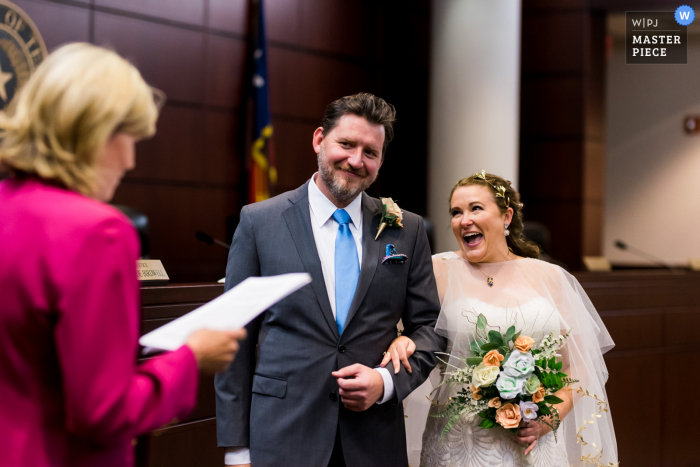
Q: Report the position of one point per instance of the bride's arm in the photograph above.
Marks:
(403, 347)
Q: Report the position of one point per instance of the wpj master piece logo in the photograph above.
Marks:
(658, 37)
(21, 50)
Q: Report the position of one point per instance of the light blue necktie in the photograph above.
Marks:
(347, 268)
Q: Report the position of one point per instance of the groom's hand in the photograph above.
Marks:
(360, 386)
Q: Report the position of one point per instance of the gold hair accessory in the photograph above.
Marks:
(500, 189)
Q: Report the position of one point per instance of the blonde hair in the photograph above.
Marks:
(76, 100)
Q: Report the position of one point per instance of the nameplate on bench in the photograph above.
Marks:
(151, 272)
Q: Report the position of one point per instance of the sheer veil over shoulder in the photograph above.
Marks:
(537, 298)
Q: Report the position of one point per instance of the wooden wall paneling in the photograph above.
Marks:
(219, 149)
(188, 177)
(296, 159)
(626, 329)
(283, 22)
(224, 69)
(551, 157)
(183, 11)
(178, 294)
(58, 23)
(562, 217)
(561, 100)
(175, 152)
(632, 411)
(552, 107)
(678, 441)
(303, 84)
(229, 15)
(190, 444)
(169, 58)
(554, 41)
(347, 27)
(594, 130)
(175, 213)
(653, 317)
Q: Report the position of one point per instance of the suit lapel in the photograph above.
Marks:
(298, 218)
(371, 215)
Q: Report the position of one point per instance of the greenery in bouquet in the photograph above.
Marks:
(507, 379)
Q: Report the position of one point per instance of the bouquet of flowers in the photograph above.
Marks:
(508, 379)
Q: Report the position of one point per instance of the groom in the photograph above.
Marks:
(305, 389)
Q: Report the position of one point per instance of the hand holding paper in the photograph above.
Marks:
(229, 312)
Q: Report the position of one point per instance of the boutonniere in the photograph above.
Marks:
(391, 215)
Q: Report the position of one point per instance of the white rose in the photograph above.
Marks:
(484, 375)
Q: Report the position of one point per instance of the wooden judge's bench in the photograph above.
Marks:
(652, 315)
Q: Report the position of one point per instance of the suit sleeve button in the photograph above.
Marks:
(341, 348)
(332, 397)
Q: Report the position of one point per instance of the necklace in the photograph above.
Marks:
(489, 279)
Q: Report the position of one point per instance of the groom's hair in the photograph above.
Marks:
(368, 106)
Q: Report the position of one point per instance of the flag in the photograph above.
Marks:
(262, 175)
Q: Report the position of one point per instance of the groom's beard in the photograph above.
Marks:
(340, 188)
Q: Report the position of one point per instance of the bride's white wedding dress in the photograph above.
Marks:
(537, 298)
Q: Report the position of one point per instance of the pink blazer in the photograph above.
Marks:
(71, 393)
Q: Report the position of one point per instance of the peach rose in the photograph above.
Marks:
(539, 395)
(508, 416)
(495, 402)
(524, 343)
(476, 392)
(493, 358)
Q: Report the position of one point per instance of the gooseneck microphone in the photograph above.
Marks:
(208, 239)
(642, 254)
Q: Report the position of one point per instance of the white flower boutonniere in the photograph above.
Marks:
(391, 215)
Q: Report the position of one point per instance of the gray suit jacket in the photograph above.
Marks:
(286, 406)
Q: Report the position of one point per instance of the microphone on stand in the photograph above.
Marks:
(642, 254)
(208, 239)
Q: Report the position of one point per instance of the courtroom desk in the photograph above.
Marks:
(652, 315)
(190, 442)
(654, 318)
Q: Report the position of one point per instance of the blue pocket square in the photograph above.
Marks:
(392, 257)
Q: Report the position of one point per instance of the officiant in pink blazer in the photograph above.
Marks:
(71, 393)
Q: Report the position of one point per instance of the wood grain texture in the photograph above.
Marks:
(562, 97)
(58, 23)
(653, 317)
(192, 175)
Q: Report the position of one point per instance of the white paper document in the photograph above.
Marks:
(230, 311)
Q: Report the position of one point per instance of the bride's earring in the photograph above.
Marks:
(506, 232)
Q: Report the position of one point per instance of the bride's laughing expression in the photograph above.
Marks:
(478, 224)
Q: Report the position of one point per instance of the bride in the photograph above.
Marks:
(495, 273)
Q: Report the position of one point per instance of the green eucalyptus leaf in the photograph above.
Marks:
(475, 348)
(510, 333)
(487, 423)
(496, 338)
(474, 360)
(553, 399)
(557, 366)
(545, 410)
(481, 323)
(489, 346)
(552, 361)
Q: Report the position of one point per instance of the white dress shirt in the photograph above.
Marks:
(325, 229)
